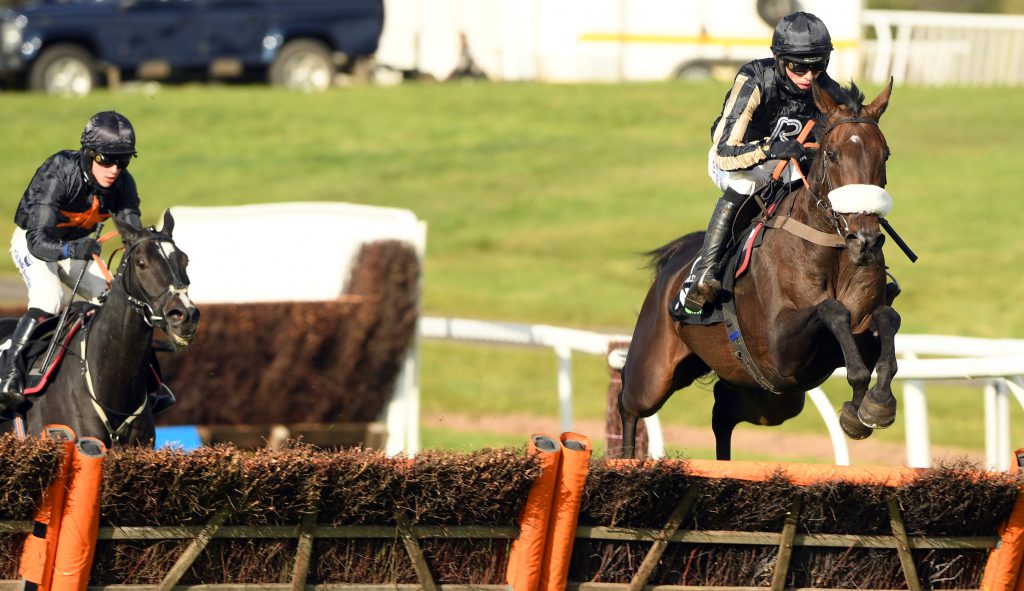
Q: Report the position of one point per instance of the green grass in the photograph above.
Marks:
(540, 199)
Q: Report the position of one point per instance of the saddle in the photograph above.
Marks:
(29, 363)
(747, 235)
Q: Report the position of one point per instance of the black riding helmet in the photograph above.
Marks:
(108, 133)
(800, 38)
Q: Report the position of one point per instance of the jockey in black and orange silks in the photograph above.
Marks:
(769, 103)
(72, 192)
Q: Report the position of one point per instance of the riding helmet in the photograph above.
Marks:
(109, 133)
(801, 37)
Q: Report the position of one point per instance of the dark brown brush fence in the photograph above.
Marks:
(302, 362)
(350, 519)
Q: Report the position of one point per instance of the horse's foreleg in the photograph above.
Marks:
(878, 408)
(836, 317)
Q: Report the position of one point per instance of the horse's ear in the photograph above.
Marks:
(826, 104)
(878, 106)
(128, 232)
(167, 226)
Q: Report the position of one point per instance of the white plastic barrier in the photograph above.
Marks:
(997, 364)
(301, 251)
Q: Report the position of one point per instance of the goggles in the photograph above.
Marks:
(121, 160)
(801, 69)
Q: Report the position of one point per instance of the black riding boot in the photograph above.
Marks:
(707, 287)
(10, 381)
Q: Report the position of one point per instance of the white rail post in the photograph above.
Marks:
(991, 426)
(915, 417)
(1003, 449)
(840, 450)
(564, 354)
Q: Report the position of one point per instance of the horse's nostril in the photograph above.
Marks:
(175, 315)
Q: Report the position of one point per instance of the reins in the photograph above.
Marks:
(145, 308)
(798, 228)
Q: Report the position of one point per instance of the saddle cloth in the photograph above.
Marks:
(29, 362)
(747, 235)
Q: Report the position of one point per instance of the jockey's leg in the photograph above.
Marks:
(10, 381)
(708, 285)
(160, 396)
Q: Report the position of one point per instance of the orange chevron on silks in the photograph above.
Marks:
(86, 219)
(40, 549)
(80, 524)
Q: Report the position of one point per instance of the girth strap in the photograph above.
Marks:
(802, 230)
(739, 347)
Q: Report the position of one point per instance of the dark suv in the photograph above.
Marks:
(68, 46)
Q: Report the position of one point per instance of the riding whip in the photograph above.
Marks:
(899, 241)
(67, 309)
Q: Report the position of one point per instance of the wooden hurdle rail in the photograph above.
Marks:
(308, 531)
(556, 496)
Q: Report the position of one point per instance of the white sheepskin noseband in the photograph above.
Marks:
(861, 199)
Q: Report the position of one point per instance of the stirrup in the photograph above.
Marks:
(161, 399)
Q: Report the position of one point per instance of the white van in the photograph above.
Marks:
(601, 40)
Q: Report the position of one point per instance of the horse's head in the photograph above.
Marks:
(153, 276)
(850, 168)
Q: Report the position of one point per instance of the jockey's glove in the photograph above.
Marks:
(82, 249)
(785, 149)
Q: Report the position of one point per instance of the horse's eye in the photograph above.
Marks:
(887, 154)
(140, 263)
(831, 155)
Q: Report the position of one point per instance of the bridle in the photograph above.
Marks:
(148, 306)
(838, 221)
(145, 307)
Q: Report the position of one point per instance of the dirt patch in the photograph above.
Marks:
(813, 448)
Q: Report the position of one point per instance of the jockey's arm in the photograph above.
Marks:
(732, 152)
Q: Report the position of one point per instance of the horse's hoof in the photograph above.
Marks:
(851, 425)
(877, 415)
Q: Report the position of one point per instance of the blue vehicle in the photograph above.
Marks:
(70, 46)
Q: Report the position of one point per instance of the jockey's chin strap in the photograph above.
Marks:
(145, 307)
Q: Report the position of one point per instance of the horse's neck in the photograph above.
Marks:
(118, 342)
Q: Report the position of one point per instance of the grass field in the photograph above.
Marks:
(540, 199)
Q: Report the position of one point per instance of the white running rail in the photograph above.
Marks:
(996, 365)
(943, 48)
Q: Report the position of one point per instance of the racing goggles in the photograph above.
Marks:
(121, 160)
(801, 69)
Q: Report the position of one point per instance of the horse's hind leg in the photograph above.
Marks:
(759, 407)
(652, 373)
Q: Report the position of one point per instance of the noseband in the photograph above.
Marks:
(147, 306)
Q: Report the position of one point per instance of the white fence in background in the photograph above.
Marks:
(996, 365)
(943, 48)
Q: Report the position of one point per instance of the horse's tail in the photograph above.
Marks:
(659, 257)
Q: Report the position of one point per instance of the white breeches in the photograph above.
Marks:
(44, 278)
(746, 182)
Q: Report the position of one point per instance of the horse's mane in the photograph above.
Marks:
(852, 98)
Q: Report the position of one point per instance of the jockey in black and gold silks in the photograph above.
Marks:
(68, 196)
(763, 113)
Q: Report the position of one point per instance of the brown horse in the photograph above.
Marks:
(804, 309)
